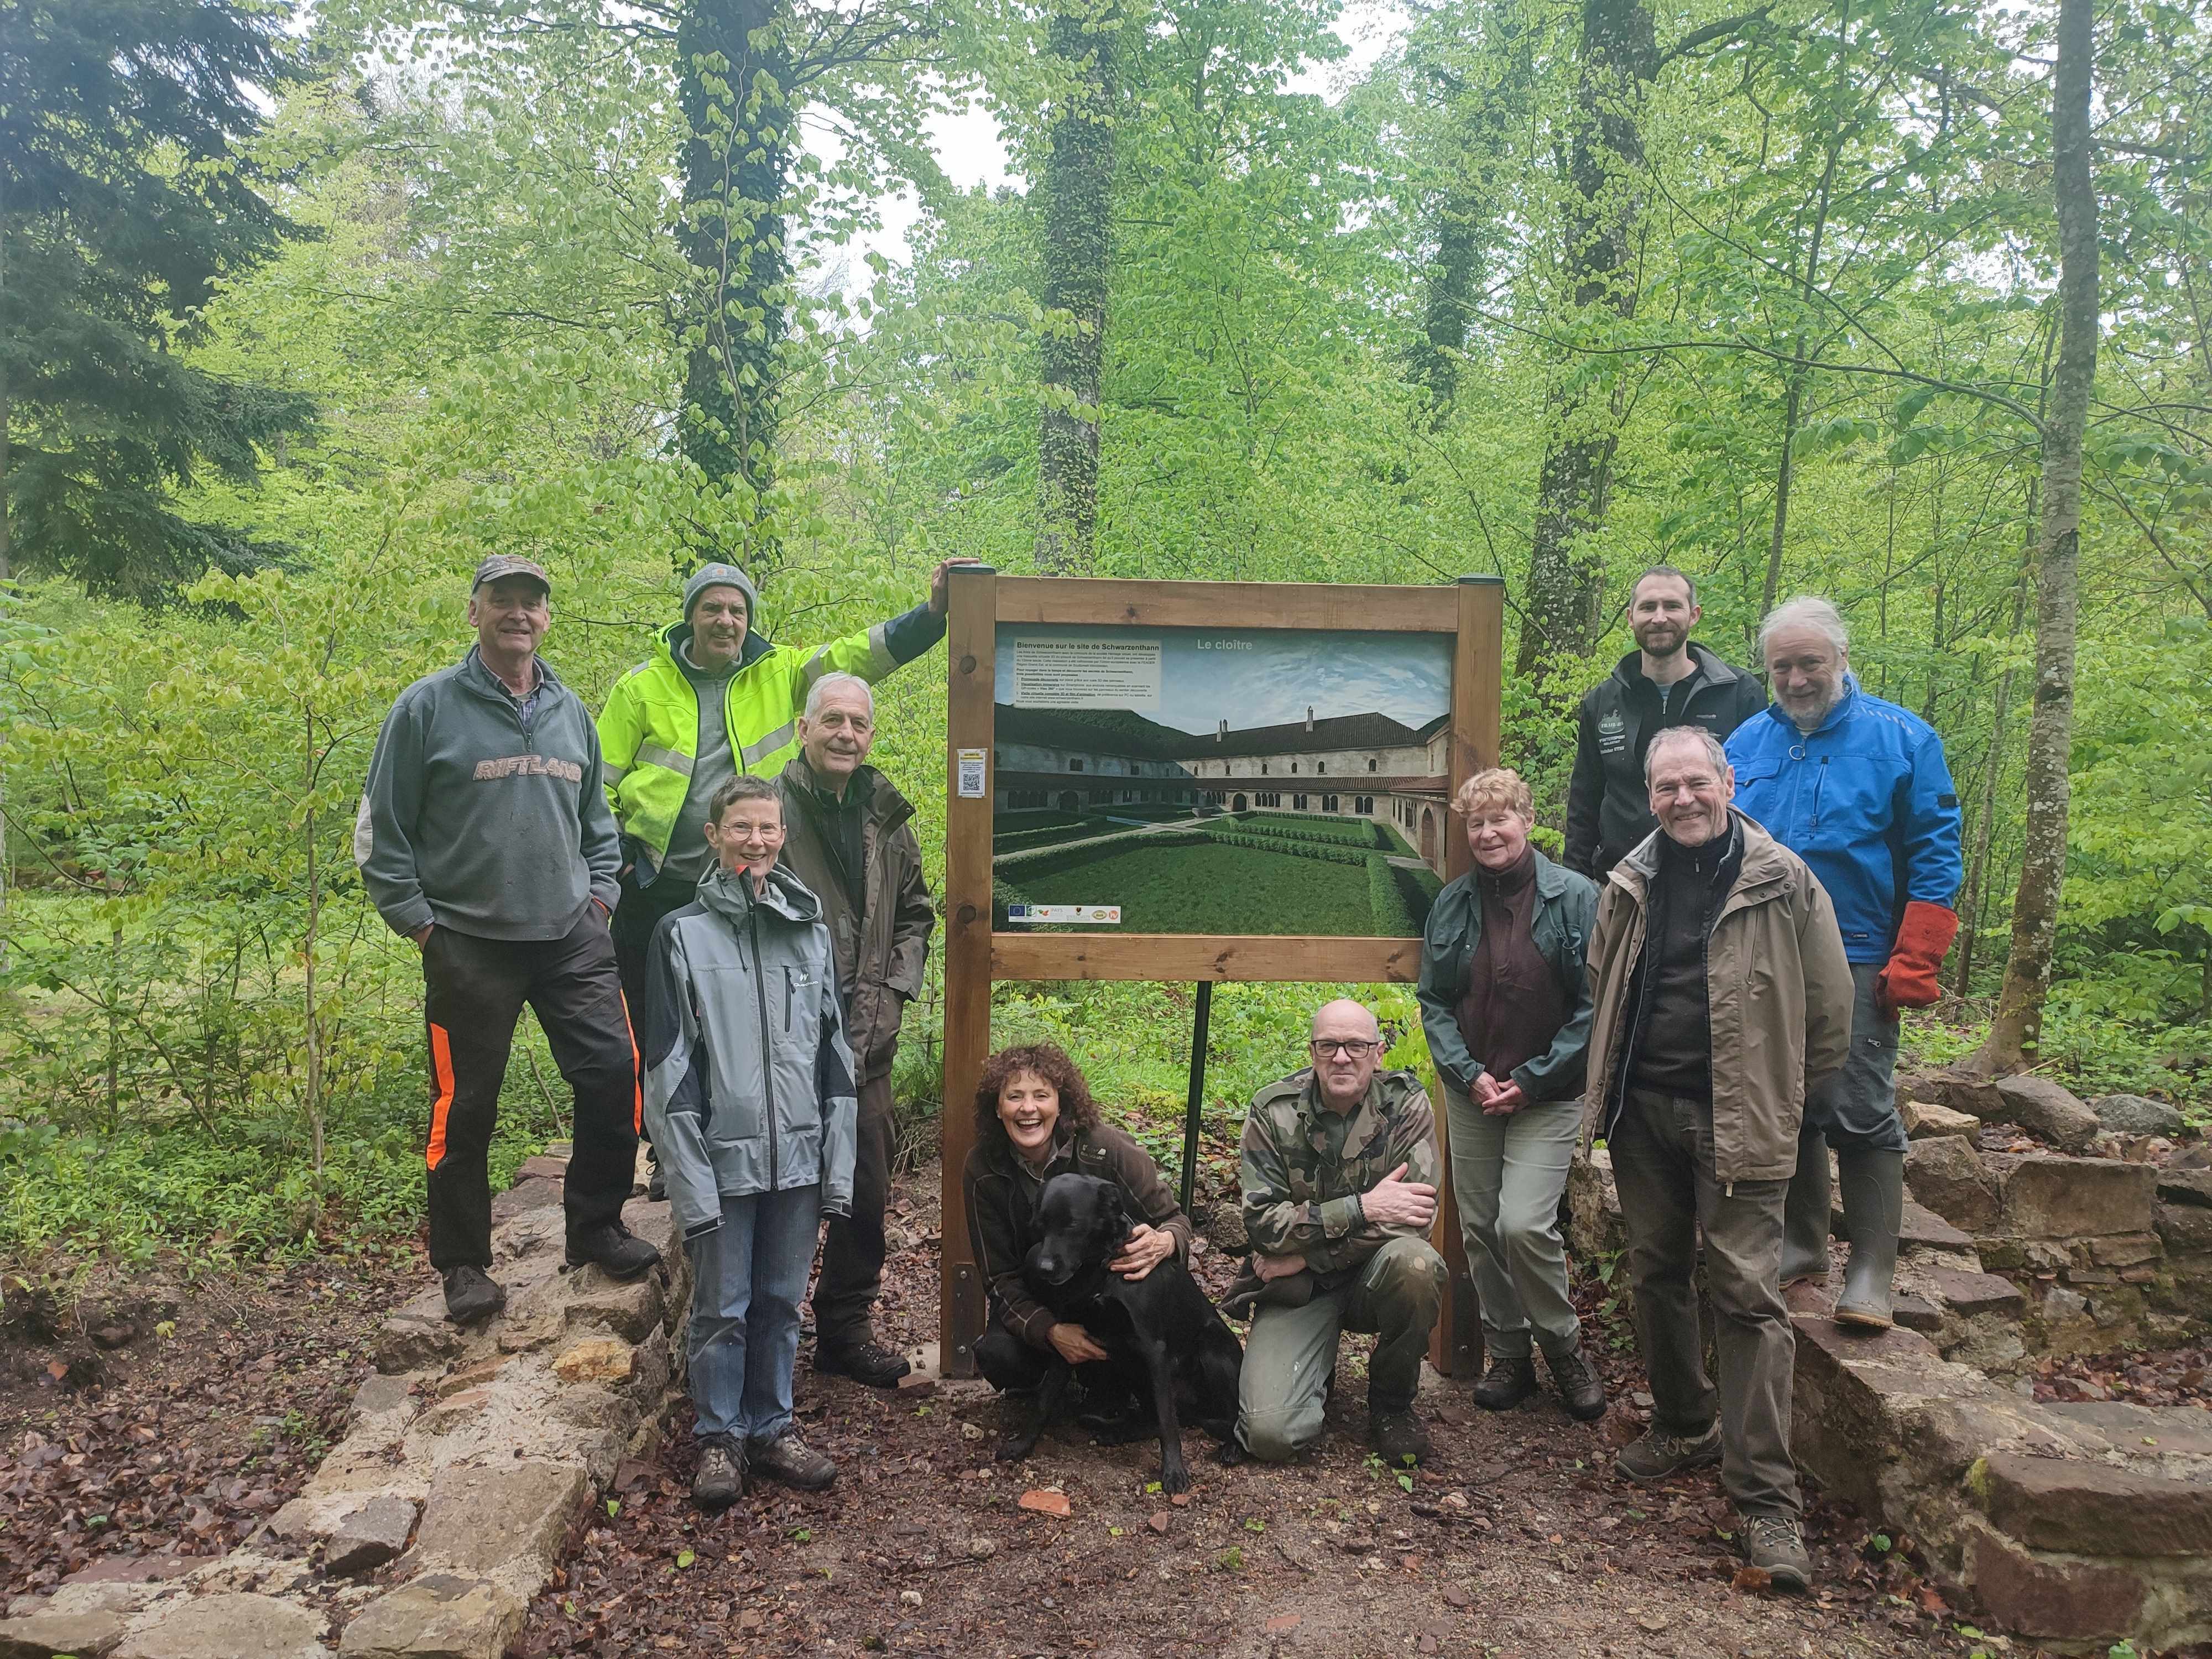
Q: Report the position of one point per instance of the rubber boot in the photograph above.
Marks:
(1805, 1215)
(1873, 1209)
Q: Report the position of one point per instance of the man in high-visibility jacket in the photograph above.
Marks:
(716, 698)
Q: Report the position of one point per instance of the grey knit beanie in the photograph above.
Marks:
(722, 575)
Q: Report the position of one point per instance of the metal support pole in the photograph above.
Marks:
(1197, 1090)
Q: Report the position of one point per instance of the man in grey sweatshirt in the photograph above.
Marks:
(484, 835)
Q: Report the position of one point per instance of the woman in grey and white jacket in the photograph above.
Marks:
(750, 1096)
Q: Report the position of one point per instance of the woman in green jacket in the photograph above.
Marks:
(1506, 1005)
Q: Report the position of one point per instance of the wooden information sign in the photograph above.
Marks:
(1104, 728)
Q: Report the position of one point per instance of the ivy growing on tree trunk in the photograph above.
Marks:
(1078, 189)
(1574, 484)
(735, 80)
(1473, 201)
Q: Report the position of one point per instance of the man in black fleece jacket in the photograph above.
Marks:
(1666, 681)
(484, 835)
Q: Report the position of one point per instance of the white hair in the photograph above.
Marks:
(1682, 734)
(829, 682)
(1806, 612)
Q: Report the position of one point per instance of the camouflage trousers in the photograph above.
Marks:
(1289, 1356)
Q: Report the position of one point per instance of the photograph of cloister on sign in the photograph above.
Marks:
(1205, 780)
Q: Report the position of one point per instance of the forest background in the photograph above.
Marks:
(307, 310)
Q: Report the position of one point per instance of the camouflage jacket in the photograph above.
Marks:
(1299, 1201)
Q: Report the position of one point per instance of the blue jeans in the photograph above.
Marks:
(749, 1278)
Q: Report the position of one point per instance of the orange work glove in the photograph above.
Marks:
(1908, 979)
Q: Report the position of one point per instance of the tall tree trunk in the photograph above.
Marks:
(1561, 608)
(7, 568)
(1985, 809)
(1453, 279)
(2015, 1034)
(1078, 191)
(1793, 400)
(735, 74)
(1471, 206)
(314, 1057)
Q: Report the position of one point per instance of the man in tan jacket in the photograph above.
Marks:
(849, 836)
(1722, 996)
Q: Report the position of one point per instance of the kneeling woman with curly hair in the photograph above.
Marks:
(1035, 1119)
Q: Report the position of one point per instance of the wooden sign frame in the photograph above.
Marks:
(1472, 610)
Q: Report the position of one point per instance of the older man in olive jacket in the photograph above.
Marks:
(1722, 996)
(849, 836)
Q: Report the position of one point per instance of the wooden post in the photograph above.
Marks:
(974, 958)
(1477, 661)
(971, 669)
(1194, 1104)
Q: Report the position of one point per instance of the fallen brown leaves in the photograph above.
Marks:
(187, 1444)
(2176, 1376)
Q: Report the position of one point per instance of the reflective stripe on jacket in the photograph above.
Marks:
(748, 1082)
(649, 729)
(1777, 986)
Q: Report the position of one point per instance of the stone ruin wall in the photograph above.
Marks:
(2073, 1525)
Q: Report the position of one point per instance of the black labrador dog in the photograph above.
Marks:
(1161, 1335)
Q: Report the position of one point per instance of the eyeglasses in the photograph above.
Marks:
(1352, 1049)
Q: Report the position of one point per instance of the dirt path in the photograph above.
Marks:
(1518, 1541)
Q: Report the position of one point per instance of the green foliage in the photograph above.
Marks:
(124, 200)
(1387, 900)
(1029, 868)
(1024, 840)
(1200, 887)
(1351, 834)
(1326, 851)
(1337, 340)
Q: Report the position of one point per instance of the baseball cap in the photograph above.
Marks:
(510, 564)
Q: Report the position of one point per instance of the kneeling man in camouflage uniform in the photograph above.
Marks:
(1340, 1176)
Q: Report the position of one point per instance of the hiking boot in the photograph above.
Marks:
(790, 1460)
(1399, 1437)
(1659, 1454)
(472, 1294)
(1577, 1379)
(1775, 1544)
(614, 1250)
(1506, 1384)
(867, 1362)
(656, 1184)
(721, 1477)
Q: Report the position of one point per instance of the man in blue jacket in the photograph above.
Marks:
(1857, 787)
